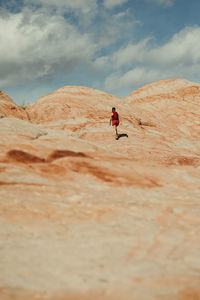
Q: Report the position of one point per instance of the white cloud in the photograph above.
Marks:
(113, 3)
(36, 44)
(85, 6)
(139, 64)
(183, 48)
(115, 27)
(84, 10)
(130, 54)
(133, 78)
(41, 42)
(102, 63)
(122, 14)
(166, 3)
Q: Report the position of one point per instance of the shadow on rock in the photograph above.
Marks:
(122, 135)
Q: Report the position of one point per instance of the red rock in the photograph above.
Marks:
(72, 103)
(9, 109)
(83, 216)
(178, 89)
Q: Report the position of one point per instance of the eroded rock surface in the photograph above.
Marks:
(77, 104)
(84, 216)
(9, 109)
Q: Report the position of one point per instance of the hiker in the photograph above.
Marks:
(115, 121)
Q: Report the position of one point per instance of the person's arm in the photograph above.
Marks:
(110, 120)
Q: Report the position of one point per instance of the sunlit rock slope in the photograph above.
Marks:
(9, 109)
(72, 103)
(83, 216)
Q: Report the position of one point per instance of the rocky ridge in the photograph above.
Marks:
(9, 109)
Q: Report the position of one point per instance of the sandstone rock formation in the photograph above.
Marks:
(9, 109)
(83, 216)
(72, 103)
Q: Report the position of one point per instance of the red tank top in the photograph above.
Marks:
(115, 116)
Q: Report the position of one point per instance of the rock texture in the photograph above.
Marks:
(9, 109)
(72, 103)
(84, 216)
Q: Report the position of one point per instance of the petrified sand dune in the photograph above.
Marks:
(178, 89)
(9, 109)
(72, 103)
(83, 216)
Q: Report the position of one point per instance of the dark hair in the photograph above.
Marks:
(113, 109)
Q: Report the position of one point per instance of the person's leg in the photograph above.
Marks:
(116, 130)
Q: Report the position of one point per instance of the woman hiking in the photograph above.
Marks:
(114, 119)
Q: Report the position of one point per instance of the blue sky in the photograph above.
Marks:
(113, 45)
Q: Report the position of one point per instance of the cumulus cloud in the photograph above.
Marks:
(115, 27)
(36, 44)
(84, 5)
(141, 63)
(183, 48)
(40, 41)
(83, 11)
(48, 40)
(130, 53)
(102, 63)
(113, 3)
(166, 3)
(136, 77)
